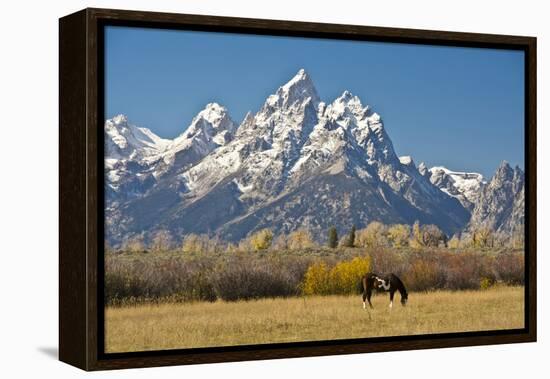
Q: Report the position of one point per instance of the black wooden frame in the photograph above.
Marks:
(81, 188)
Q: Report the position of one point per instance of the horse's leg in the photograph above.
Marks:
(392, 292)
(366, 296)
(369, 293)
(365, 288)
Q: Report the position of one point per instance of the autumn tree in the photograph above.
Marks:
(192, 244)
(416, 236)
(482, 237)
(261, 240)
(202, 243)
(161, 241)
(134, 244)
(454, 243)
(518, 238)
(399, 235)
(300, 239)
(432, 236)
(280, 243)
(427, 235)
(374, 235)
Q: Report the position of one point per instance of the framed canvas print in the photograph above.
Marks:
(237, 189)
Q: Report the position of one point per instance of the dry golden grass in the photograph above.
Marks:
(171, 326)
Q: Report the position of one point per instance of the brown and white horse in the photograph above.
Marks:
(389, 283)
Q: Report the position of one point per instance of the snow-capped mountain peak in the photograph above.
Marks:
(214, 113)
(120, 119)
(296, 91)
(211, 128)
(125, 141)
(296, 162)
(464, 186)
(347, 105)
(211, 125)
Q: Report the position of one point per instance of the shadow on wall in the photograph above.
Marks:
(49, 351)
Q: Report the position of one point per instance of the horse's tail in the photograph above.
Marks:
(363, 284)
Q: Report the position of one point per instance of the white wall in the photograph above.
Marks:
(28, 201)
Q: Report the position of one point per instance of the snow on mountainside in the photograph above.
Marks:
(464, 186)
(136, 158)
(297, 162)
(130, 152)
(210, 129)
(125, 141)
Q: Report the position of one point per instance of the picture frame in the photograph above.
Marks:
(81, 152)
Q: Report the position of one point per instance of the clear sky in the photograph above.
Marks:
(458, 107)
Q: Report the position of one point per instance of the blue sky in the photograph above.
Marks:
(458, 107)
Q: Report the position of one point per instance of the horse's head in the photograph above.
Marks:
(404, 300)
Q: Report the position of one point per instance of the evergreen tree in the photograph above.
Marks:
(332, 237)
(351, 237)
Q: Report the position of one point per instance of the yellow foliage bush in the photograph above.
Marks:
(344, 278)
(486, 283)
(316, 280)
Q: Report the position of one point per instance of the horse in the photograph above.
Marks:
(389, 283)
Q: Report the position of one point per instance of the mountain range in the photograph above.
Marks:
(298, 162)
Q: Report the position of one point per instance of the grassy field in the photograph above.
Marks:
(202, 324)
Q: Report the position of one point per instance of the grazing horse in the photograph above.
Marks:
(389, 283)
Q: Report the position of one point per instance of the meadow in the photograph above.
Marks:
(168, 299)
(171, 325)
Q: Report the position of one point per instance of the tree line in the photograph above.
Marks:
(375, 234)
(243, 276)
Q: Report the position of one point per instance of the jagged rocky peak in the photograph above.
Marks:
(423, 170)
(210, 128)
(501, 203)
(346, 105)
(213, 117)
(248, 118)
(296, 91)
(505, 178)
(504, 171)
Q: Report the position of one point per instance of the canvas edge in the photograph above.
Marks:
(81, 349)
